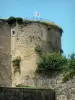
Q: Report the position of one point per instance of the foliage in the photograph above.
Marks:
(19, 20)
(27, 21)
(55, 62)
(68, 75)
(38, 50)
(51, 62)
(70, 68)
(11, 20)
(16, 64)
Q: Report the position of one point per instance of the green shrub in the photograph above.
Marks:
(70, 72)
(11, 20)
(19, 20)
(55, 62)
(72, 56)
(38, 50)
(68, 75)
(51, 62)
(16, 64)
(71, 64)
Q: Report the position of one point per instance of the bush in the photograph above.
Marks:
(70, 72)
(68, 75)
(38, 50)
(71, 62)
(11, 20)
(19, 20)
(51, 62)
(55, 62)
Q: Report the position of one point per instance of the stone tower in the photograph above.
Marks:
(22, 41)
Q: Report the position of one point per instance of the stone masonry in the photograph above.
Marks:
(5, 54)
(21, 41)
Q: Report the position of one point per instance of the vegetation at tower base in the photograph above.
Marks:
(38, 50)
(16, 64)
(70, 68)
(50, 63)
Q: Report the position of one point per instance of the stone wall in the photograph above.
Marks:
(21, 41)
(64, 90)
(26, 94)
(24, 41)
(5, 54)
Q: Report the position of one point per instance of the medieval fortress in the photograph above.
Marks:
(20, 41)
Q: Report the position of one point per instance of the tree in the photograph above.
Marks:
(11, 20)
(19, 20)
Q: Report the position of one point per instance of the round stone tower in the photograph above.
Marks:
(25, 38)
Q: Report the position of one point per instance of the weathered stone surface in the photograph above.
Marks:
(22, 44)
(62, 97)
(5, 54)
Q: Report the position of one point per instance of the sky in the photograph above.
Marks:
(62, 12)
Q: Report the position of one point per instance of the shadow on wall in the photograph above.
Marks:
(5, 54)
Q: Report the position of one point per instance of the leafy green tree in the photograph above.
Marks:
(11, 20)
(19, 20)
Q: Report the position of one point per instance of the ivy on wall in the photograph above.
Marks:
(38, 50)
(16, 64)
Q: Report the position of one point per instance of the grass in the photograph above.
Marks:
(30, 87)
(52, 24)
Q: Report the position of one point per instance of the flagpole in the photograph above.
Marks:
(36, 15)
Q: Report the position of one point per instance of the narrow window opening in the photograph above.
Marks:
(13, 32)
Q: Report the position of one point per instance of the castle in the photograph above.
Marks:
(21, 41)
(18, 43)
